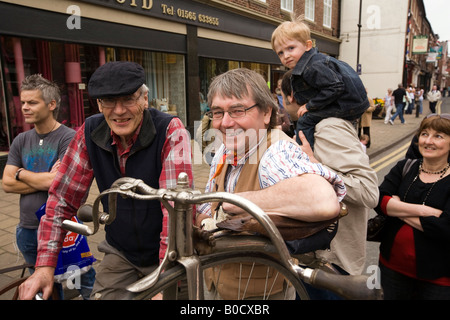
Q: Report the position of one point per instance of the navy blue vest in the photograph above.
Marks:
(136, 230)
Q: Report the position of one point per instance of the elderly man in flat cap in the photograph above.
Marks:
(126, 139)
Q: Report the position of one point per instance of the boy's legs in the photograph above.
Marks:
(307, 124)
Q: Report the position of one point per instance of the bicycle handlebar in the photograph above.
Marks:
(129, 187)
(351, 287)
(347, 286)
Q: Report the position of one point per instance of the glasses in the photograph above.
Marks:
(442, 115)
(128, 101)
(236, 112)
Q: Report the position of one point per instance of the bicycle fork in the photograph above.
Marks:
(180, 247)
(185, 249)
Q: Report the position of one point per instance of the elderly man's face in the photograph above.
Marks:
(240, 134)
(124, 114)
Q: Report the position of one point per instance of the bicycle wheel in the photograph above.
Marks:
(172, 282)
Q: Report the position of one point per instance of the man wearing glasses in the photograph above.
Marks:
(261, 164)
(125, 139)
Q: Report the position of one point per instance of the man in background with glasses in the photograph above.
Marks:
(262, 164)
(125, 139)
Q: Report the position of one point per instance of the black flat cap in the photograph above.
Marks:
(114, 79)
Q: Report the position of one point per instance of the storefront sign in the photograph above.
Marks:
(146, 4)
(420, 45)
(194, 13)
(435, 54)
(187, 11)
(189, 15)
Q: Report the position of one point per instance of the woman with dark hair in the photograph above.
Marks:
(415, 198)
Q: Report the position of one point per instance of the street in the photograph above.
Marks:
(382, 159)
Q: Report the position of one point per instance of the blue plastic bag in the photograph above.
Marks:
(74, 254)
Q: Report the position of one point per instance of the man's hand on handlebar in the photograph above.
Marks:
(40, 281)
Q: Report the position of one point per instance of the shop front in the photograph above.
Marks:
(182, 45)
(178, 52)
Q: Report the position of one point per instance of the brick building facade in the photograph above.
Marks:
(182, 45)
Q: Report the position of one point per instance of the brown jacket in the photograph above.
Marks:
(228, 284)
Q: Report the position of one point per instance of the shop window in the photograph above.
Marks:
(164, 77)
(209, 68)
(71, 66)
(166, 81)
(4, 130)
(262, 68)
(20, 58)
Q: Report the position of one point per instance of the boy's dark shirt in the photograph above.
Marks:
(328, 86)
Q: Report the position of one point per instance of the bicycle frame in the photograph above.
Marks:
(181, 237)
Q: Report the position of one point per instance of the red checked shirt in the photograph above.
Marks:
(70, 188)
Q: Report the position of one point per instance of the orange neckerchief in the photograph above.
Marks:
(221, 164)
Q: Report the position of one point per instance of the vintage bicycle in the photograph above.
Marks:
(191, 251)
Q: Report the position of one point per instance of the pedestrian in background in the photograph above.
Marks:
(412, 99)
(366, 120)
(364, 140)
(388, 105)
(419, 97)
(284, 122)
(433, 96)
(400, 100)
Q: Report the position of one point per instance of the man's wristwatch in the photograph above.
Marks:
(17, 174)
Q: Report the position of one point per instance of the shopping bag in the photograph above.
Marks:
(75, 255)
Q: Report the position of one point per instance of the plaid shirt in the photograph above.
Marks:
(70, 188)
(122, 153)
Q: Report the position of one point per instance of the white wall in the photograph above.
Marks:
(382, 43)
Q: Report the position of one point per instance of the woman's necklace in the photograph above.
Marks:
(433, 172)
(41, 141)
(442, 172)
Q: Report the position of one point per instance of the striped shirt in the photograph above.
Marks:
(282, 160)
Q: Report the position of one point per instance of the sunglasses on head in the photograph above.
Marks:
(443, 115)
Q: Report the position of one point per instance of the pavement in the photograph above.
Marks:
(383, 136)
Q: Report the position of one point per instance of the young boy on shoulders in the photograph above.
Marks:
(322, 85)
